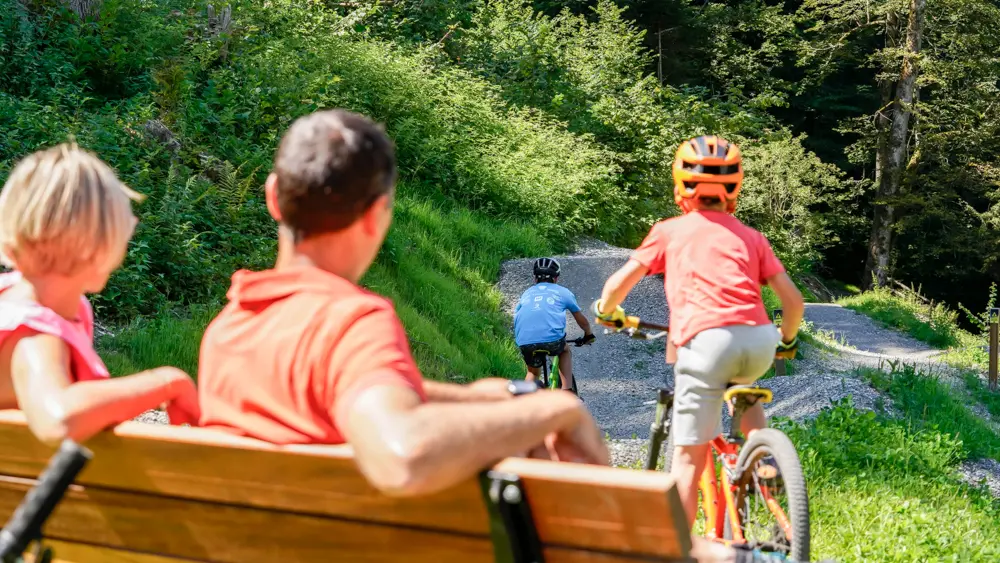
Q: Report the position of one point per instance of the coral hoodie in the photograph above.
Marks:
(292, 349)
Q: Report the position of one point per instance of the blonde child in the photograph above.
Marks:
(65, 223)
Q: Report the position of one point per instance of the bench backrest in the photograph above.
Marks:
(158, 494)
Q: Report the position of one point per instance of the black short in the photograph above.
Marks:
(551, 348)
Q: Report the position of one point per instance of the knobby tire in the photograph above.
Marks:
(779, 446)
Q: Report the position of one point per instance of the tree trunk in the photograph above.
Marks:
(886, 86)
(890, 173)
(85, 8)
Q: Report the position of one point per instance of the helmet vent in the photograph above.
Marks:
(708, 169)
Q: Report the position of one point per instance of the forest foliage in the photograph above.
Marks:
(562, 115)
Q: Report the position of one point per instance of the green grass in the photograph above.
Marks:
(927, 402)
(438, 265)
(892, 483)
(981, 393)
(887, 490)
(935, 325)
(171, 339)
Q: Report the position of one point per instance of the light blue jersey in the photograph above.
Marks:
(541, 314)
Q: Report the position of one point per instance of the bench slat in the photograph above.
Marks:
(200, 464)
(574, 506)
(72, 552)
(231, 534)
(124, 528)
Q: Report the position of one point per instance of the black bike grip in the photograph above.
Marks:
(25, 525)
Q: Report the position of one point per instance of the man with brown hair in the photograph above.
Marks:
(302, 355)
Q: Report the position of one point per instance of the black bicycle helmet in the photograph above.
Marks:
(546, 268)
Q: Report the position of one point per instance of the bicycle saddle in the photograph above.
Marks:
(751, 394)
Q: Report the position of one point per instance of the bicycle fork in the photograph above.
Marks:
(660, 427)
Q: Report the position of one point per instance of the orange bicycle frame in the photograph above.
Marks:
(718, 495)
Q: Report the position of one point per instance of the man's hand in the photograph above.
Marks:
(583, 443)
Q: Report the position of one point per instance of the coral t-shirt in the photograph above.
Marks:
(292, 349)
(713, 266)
(78, 334)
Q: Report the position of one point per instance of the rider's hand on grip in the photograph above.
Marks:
(787, 350)
(615, 318)
(587, 339)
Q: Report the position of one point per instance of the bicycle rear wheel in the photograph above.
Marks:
(773, 506)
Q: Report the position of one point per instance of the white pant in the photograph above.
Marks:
(706, 365)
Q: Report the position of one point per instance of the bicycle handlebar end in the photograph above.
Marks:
(26, 522)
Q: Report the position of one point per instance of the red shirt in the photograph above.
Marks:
(290, 352)
(714, 267)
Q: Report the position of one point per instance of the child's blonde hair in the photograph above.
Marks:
(61, 209)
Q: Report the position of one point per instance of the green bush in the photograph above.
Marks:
(592, 72)
(198, 126)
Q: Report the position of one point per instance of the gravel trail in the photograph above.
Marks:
(863, 338)
(618, 377)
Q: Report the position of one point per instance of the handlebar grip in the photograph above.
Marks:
(25, 525)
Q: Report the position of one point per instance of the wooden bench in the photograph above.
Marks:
(160, 494)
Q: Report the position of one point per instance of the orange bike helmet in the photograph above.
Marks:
(707, 166)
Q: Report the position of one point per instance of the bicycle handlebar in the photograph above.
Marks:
(632, 325)
(25, 525)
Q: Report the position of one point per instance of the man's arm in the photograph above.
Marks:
(618, 286)
(488, 389)
(406, 448)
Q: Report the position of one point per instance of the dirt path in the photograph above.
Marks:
(865, 338)
(618, 377)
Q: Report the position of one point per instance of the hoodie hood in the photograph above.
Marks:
(254, 289)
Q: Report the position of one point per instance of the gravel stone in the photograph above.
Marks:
(153, 416)
(982, 472)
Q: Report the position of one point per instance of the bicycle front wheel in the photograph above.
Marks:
(771, 496)
(555, 382)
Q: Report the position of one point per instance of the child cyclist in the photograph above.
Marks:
(714, 267)
(65, 223)
(540, 322)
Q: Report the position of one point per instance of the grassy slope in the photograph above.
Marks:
(480, 183)
(438, 265)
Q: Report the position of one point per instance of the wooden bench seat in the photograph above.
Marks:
(161, 494)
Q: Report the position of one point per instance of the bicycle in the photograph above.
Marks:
(25, 524)
(734, 471)
(554, 382)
